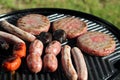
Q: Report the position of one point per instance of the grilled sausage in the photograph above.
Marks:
(34, 62)
(17, 31)
(80, 64)
(19, 51)
(67, 63)
(50, 62)
(53, 48)
(36, 47)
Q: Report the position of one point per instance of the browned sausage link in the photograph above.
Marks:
(50, 62)
(19, 50)
(54, 47)
(80, 64)
(34, 60)
(67, 63)
(17, 31)
(34, 63)
(10, 37)
(36, 47)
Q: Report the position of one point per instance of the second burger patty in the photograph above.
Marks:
(73, 26)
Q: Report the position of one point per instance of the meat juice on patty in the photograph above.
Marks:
(34, 23)
(96, 43)
(71, 25)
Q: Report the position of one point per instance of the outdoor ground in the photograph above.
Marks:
(106, 9)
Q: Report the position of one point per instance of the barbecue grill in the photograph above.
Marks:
(99, 68)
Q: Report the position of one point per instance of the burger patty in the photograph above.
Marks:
(72, 26)
(34, 23)
(96, 43)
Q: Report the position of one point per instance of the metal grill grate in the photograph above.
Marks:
(99, 68)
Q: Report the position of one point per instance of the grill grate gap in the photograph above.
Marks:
(30, 77)
(99, 68)
(23, 77)
(10, 76)
(35, 77)
(48, 76)
(4, 76)
(104, 67)
(93, 68)
(17, 76)
(42, 77)
(89, 68)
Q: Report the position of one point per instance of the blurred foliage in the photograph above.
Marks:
(106, 9)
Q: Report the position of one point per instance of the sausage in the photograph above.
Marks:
(53, 48)
(19, 48)
(36, 47)
(17, 31)
(10, 37)
(50, 62)
(67, 63)
(12, 63)
(34, 60)
(19, 51)
(80, 64)
(34, 63)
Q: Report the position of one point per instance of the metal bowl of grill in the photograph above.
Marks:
(99, 68)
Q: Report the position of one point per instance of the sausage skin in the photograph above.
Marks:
(19, 51)
(53, 47)
(17, 31)
(36, 47)
(67, 63)
(50, 62)
(34, 63)
(10, 37)
(80, 64)
(34, 60)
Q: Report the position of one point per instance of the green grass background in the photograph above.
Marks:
(106, 9)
